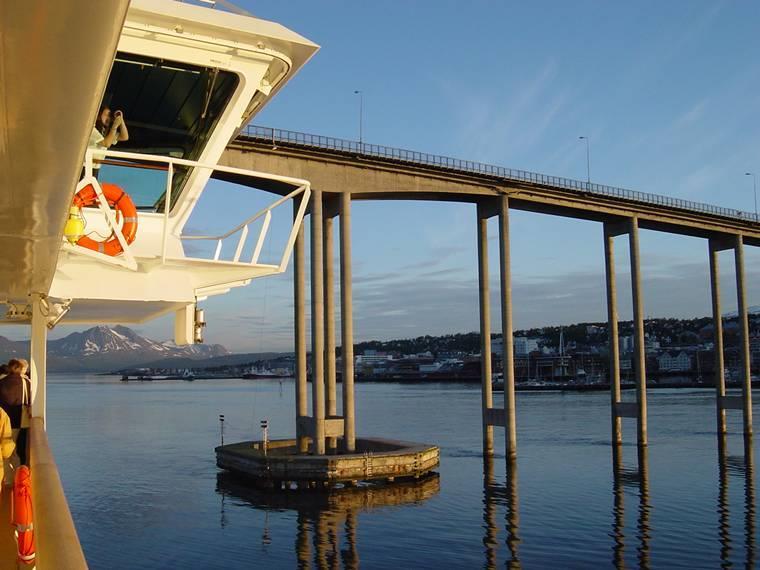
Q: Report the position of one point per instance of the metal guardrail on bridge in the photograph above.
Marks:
(281, 136)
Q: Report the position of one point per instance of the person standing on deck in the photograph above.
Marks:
(15, 392)
(109, 129)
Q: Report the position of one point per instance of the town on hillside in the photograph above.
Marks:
(678, 352)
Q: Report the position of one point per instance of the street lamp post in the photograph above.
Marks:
(361, 114)
(754, 188)
(588, 163)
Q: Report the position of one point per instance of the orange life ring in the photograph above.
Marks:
(21, 516)
(118, 199)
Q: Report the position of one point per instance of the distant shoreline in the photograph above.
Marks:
(559, 387)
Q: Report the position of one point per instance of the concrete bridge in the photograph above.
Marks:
(341, 171)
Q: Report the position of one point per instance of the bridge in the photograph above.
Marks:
(343, 170)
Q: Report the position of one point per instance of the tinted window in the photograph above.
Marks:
(170, 109)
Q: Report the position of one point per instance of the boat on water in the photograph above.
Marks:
(266, 373)
(187, 376)
(100, 235)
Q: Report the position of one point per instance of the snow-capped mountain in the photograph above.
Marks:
(105, 348)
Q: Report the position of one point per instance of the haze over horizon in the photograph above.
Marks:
(668, 95)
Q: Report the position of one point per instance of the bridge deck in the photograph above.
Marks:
(377, 172)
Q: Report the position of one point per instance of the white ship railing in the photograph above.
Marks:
(301, 188)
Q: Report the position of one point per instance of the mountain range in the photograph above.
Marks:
(105, 348)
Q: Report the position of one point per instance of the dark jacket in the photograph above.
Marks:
(11, 397)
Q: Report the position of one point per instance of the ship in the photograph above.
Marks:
(266, 373)
(186, 77)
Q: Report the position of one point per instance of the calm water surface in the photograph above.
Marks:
(138, 467)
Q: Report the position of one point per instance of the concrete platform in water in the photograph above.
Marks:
(281, 465)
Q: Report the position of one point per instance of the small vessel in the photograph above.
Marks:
(497, 381)
(262, 373)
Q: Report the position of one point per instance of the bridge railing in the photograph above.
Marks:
(281, 136)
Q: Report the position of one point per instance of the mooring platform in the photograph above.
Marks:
(281, 464)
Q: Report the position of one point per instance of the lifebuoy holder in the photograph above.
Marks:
(118, 199)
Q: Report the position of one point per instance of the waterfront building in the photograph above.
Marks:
(674, 361)
(626, 344)
(372, 357)
(524, 345)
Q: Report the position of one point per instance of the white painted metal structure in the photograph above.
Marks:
(154, 275)
(51, 82)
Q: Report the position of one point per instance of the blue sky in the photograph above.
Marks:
(668, 93)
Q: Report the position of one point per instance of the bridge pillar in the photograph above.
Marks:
(347, 324)
(496, 416)
(638, 329)
(621, 409)
(485, 330)
(299, 322)
(741, 296)
(317, 326)
(714, 247)
(510, 420)
(612, 331)
(329, 300)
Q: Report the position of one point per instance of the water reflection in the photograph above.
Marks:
(638, 480)
(495, 494)
(322, 514)
(739, 467)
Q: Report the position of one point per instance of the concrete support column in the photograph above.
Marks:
(506, 327)
(38, 359)
(720, 380)
(612, 333)
(329, 299)
(317, 325)
(741, 297)
(485, 331)
(638, 333)
(299, 323)
(347, 323)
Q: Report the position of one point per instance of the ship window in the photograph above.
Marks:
(171, 109)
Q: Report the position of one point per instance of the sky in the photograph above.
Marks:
(668, 94)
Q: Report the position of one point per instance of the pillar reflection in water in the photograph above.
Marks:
(637, 479)
(327, 520)
(494, 495)
(743, 468)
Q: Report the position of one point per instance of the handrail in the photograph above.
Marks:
(54, 531)
(192, 164)
(250, 220)
(301, 186)
(282, 136)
